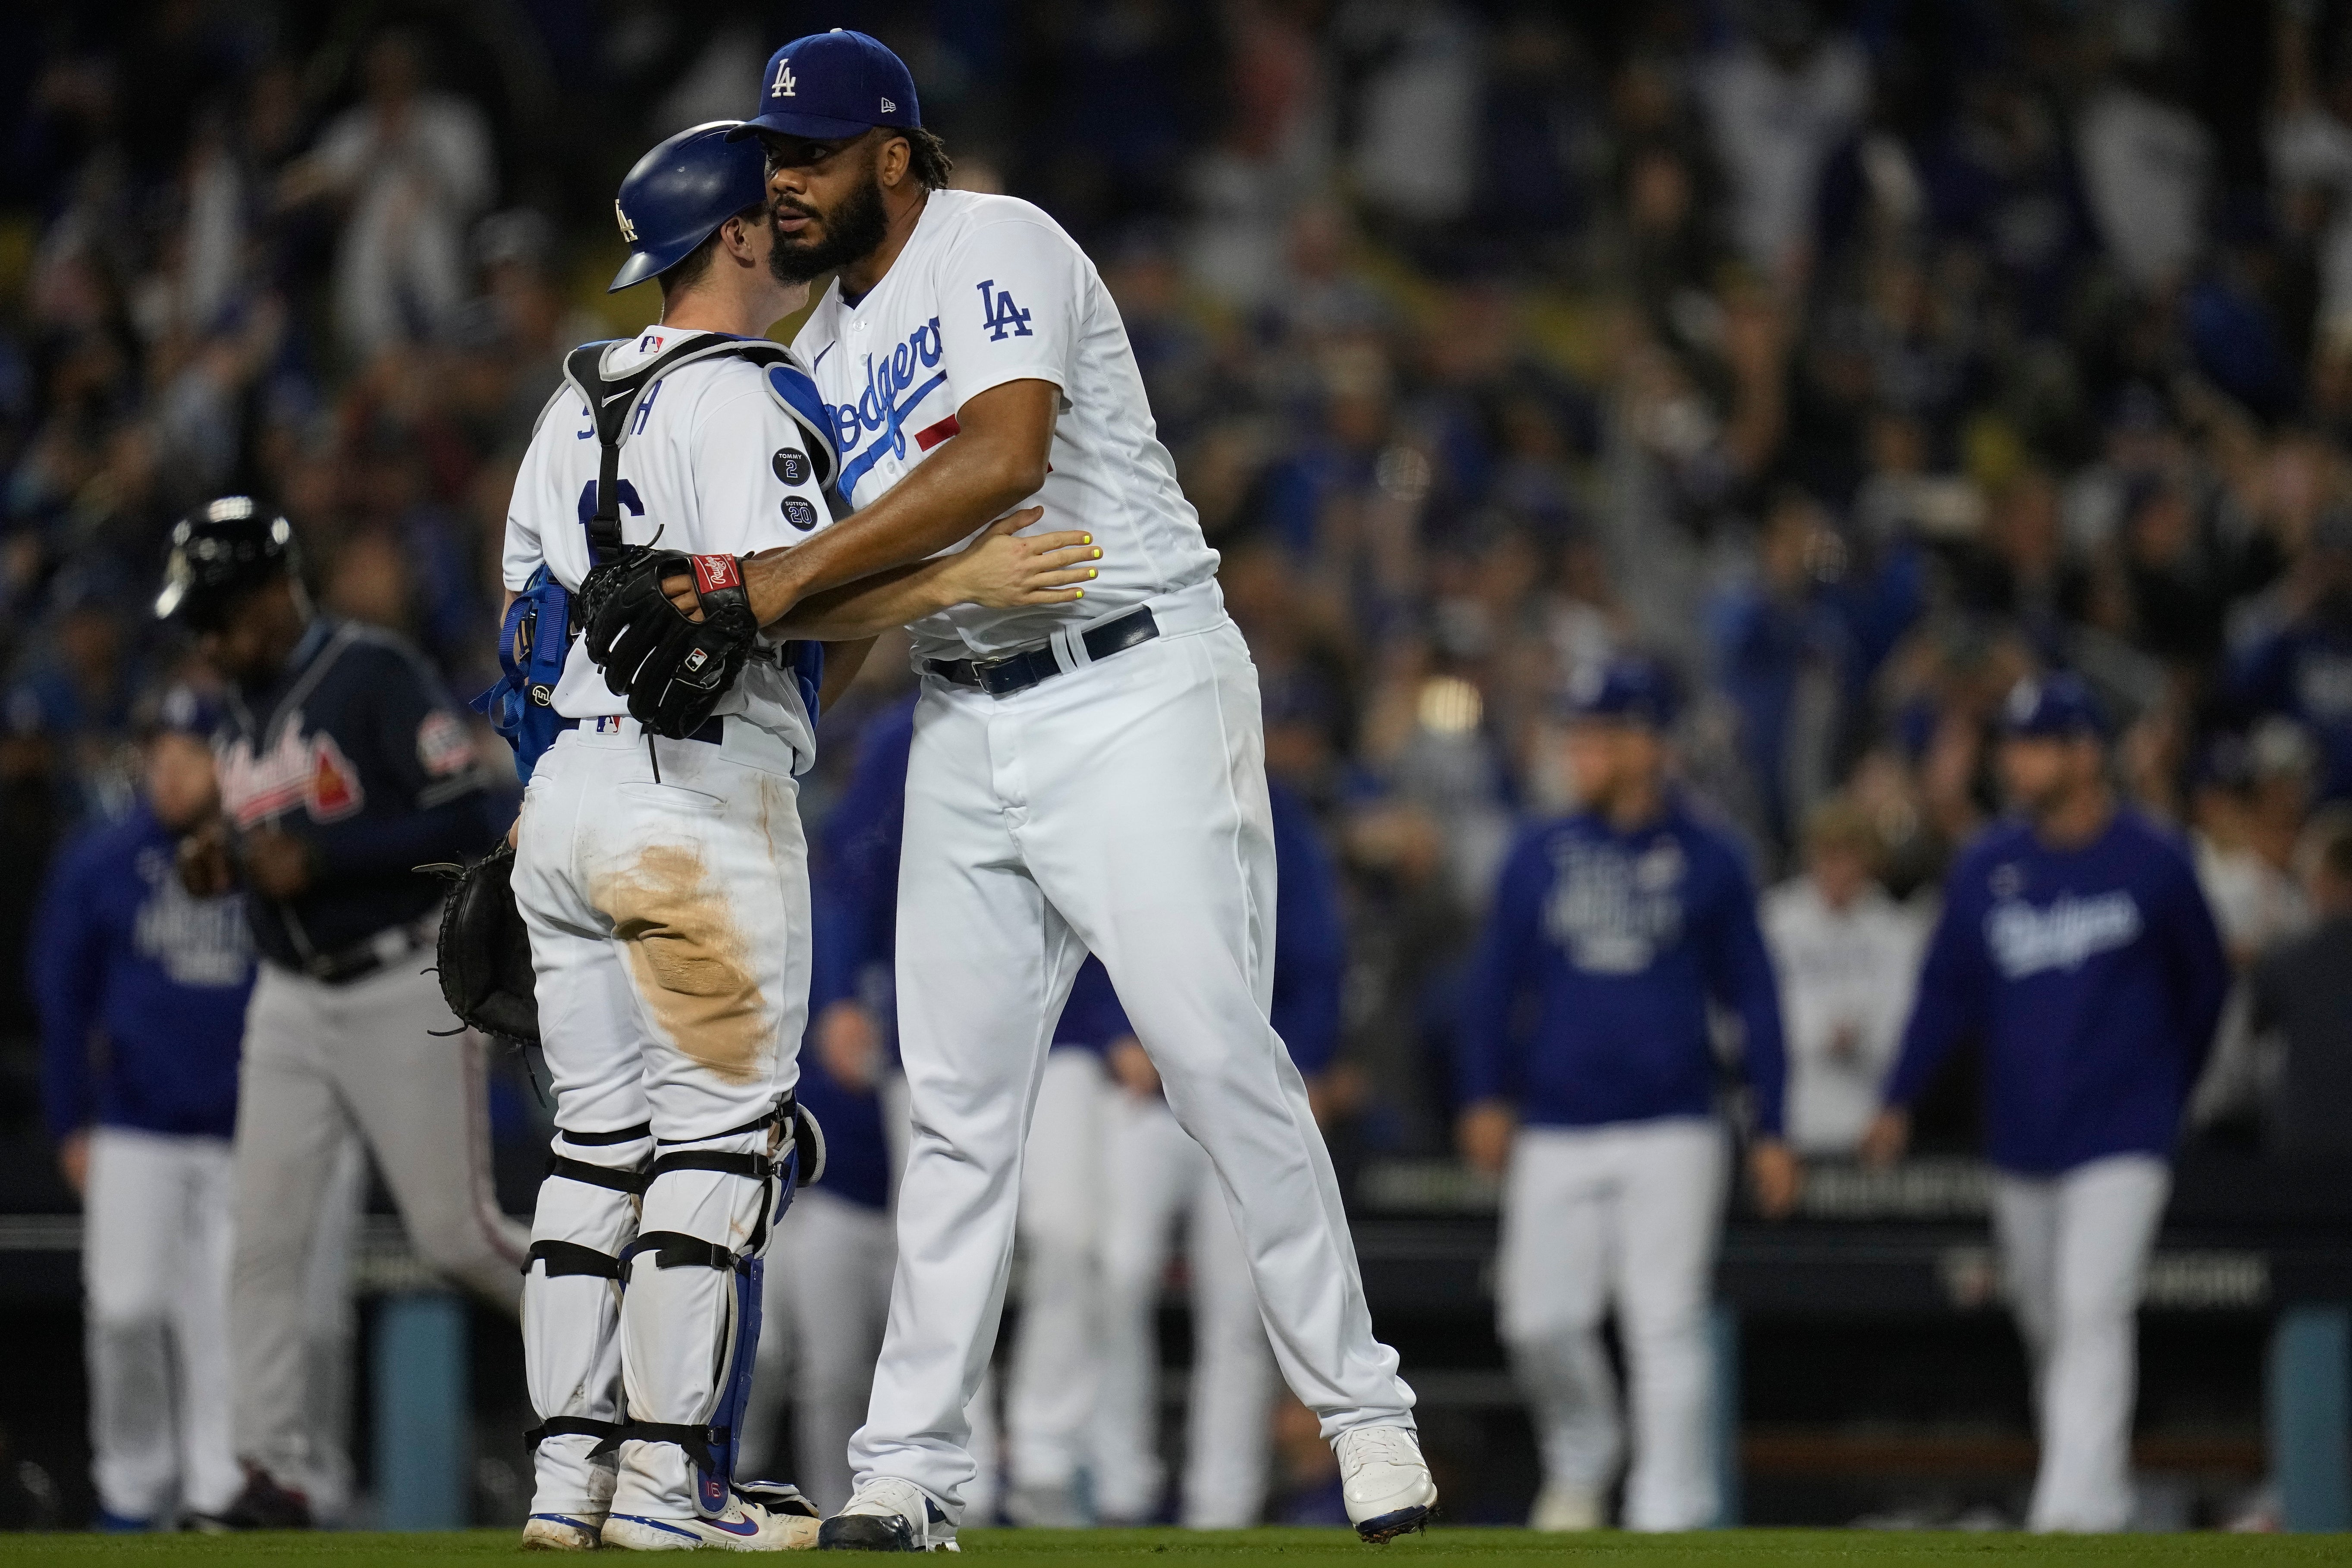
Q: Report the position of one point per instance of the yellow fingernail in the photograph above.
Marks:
(1097, 554)
(1090, 538)
(1080, 592)
(1091, 574)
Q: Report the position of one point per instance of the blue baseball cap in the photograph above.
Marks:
(682, 190)
(186, 710)
(1629, 688)
(2052, 707)
(829, 86)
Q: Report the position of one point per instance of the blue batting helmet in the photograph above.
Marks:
(679, 192)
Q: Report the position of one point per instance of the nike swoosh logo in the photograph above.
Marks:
(616, 397)
(747, 1528)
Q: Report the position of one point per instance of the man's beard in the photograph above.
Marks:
(849, 233)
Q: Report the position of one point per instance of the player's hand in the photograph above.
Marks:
(1778, 1178)
(849, 1043)
(73, 1159)
(205, 869)
(1131, 1065)
(1484, 1132)
(277, 863)
(1004, 570)
(1884, 1142)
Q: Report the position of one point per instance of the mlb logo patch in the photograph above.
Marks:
(714, 574)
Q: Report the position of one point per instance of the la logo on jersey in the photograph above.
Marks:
(784, 83)
(998, 313)
(628, 229)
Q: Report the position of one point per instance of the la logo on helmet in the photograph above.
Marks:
(628, 229)
(783, 84)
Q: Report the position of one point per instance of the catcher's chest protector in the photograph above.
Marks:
(536, 638)
(533, 645)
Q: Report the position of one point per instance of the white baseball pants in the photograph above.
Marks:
(828, 1296)
(1120, 808)
(2075, 1251)
(1157, 1179)
(155, 1251)
(319, 1061)
(669, 927)
(1049, 1390)
(1629, 1215)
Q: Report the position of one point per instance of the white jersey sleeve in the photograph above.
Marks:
(1011, 298)
(525, 552)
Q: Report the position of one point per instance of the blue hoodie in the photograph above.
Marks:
(2094, 978)
(141, 988)
(1587, 1002)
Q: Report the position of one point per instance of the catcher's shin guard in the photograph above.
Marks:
(586, 1219)
(690, 1315)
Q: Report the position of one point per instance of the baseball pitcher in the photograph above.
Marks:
(660, 868)
(1086, 776)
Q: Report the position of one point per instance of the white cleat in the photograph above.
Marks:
(1560, 1507)
(561, 1531)
(889, 1515)
(744, 1526)
(1385, 1481)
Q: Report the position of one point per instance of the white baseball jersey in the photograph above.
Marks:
(1847, 977)
(712, 461)
(989, 290)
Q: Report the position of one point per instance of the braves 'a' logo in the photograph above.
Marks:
(309, 771)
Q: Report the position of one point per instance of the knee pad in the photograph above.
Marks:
(711, 1205)
(584, 1221)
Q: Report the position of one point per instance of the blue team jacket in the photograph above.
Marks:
(2094, 978)
(141, 988)
(1586, 999)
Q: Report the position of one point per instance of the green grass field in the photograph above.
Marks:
(1138, 1548)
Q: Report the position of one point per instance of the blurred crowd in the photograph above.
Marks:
(1856, 359)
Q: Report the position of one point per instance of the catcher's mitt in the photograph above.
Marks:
(672, 668)
(484, 952)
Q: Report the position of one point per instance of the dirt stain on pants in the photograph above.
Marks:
(688, 957)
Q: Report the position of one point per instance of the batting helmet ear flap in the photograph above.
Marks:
(795, 393)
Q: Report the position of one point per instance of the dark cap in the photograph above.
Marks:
(828, 87)
(219, 551)
(2053, 707)
(1629, 688)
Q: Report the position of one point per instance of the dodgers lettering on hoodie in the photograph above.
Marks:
(2094, 976)
(1588, 1003)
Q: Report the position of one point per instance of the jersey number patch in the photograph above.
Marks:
(1000, 314)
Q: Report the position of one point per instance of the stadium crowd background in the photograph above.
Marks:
(1857, 358)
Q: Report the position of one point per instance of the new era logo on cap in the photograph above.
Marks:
(829, 87)
(713, 574)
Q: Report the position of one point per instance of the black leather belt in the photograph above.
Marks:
(361, 959)
(713, 732)
(1019, 671)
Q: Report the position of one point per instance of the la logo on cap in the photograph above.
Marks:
(783, 84)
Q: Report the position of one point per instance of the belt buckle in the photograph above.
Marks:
(984, 671)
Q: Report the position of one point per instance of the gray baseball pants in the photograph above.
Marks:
(320, 1059)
